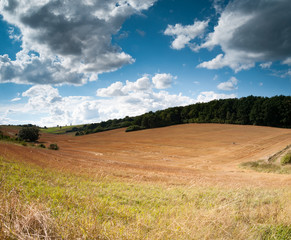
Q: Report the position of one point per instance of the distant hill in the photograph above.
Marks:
(251, 110)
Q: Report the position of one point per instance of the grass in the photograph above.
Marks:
(286, 159)
(269, 167)
(40, 203)
(58, 130)
(280, 163)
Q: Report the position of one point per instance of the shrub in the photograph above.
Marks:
(54, 146)
(286, 159)
(30, 134)
(41, 145)
(133, 128)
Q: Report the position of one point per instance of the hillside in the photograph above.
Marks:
(165, 183)
(201, 153)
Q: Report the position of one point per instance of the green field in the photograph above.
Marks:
(58, 130)
(40, 203)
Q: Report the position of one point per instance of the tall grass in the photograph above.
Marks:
(45, 204)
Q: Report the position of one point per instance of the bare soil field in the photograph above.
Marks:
(196, 154)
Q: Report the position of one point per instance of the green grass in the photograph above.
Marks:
(58, 130)
(275, 163)
(286, 159)
(268, 167)
(40, 203)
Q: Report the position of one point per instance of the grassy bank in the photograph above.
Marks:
(279, 163)
(45, 204)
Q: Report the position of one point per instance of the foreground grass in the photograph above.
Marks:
(45, 204)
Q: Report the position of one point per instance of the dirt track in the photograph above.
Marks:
(204, 154)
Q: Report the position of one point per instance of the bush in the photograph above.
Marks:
(286, 159)
(41, 145)
(54, 146)
(134, 128)
(30, 134)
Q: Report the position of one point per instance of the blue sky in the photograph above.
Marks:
(86, 61)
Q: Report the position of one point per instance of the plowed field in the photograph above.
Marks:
(202, 154)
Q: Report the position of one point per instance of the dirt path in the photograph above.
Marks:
(206, 154)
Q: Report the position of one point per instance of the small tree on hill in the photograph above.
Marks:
(30, 134)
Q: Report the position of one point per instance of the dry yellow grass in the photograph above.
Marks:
(46, 204)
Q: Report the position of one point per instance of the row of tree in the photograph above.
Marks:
(263, 111)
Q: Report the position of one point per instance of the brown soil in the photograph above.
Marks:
(198, 154)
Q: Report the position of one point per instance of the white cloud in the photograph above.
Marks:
(71, 40)
(249, 32)
(210, 95)
(287, 61)
(15, 99)
(135, 98)
(42, 96)
(114, 90)
(183, 35)
(266, 65)
(230, 85)
(119, 89)
(163, 80)
(46, 107)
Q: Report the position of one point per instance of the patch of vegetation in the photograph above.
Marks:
(30, 134)
(286, 159)
(11, 139)
(41, 145)
(133, 128)
(54, 146)
(46, 204)
(274, 164)
(60, 129)
(262, 166)
(282, 232)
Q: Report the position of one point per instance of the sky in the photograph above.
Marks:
(73, 62)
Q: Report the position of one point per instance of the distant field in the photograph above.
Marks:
(58, 130)
(178, 182)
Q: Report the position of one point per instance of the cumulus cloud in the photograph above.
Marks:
(163, 80)
(129, 99)
(210, 95)
(249, 32)
(114, 90)
(183, 35)
(119, 89)
(43, 104)
(230, 85)
(66, 41)
(144, 84)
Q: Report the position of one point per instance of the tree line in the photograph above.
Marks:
(251, 110)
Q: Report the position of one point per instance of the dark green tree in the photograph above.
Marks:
(30, 134)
